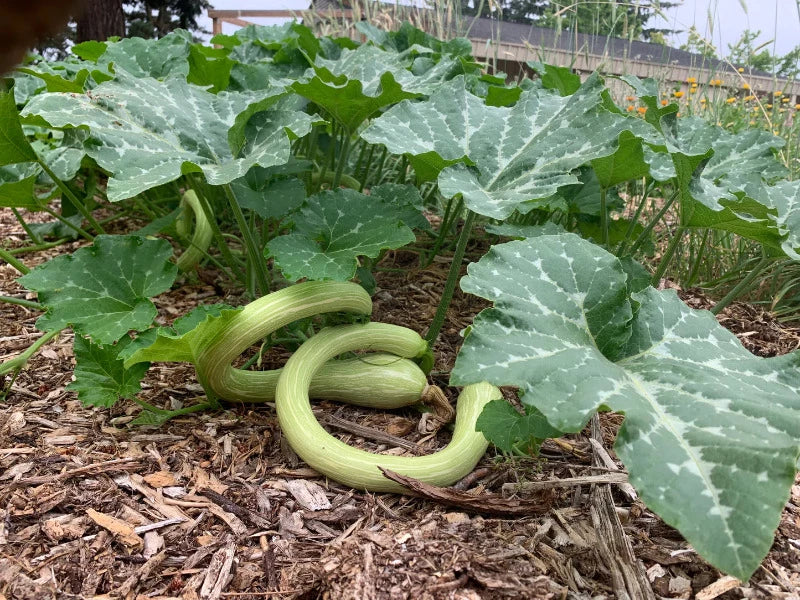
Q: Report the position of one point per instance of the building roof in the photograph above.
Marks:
(565, 40)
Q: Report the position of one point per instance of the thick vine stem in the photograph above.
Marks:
(266, 315)
(355, 467)
(203, 233)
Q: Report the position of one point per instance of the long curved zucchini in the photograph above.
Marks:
(266, 315)
(355, 467)
(397, 381)
(376, 380)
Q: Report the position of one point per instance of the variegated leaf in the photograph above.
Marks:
(333, 230)
(520, 154)
(147, 132)
(103, 290)
(366, 79)
(711, 432)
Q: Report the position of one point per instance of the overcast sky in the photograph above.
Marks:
(721, 21)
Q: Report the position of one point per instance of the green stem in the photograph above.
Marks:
(634, 221)
(87, 214)
(701, 256)
(34, 238)
(342, 158)
(180, 411)
(649, 227)
(18, 265)
(450, 215)
(452, 279)
(79, 230)
(381, 164)
(20, 361)
(22, 302)
(365, 176)
(668, 254)
(604, 217)
(38, 247)
(256, 259)
(742, 285)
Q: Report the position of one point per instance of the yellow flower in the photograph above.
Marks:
(691, 80)
(630, 98)
(752, 122)
(665, 102)
(642, 110)
(745, 86)
(769, 105)
(702, 100)
(694, 85)
(630, 108)
(797, 106)
(741, 69)
(730, 100)
(715, 82)
(775, 131)
(749, 98)
(781, 110)
(784, 100)
(693, 90)
(778, 93)
(678, 94)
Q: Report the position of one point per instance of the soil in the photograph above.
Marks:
(214, 505)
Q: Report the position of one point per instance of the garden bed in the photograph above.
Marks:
(216, 505)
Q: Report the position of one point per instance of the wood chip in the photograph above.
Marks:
(160, 479)
(308, 494)
(218, 573)
(719, 587)
(122, 530)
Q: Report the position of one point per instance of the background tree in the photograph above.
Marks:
(156, 18)
(745, 53)
(514, 11)
(698, 44)
(100, 20)
(626, 20)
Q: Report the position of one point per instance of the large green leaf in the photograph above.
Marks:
(103, 290)
(147, 132)
(783, 204)
(182, 341)
(366, 79)
(711, 432)
(100, 377)
(167, 56)
(333, 230)
(17, 186)
(519, 154)
(737, 159)
(14, 146)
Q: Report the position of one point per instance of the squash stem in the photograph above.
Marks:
(452, 279)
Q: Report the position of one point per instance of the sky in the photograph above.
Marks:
(721, 21)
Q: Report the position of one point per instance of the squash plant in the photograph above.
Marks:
(305, 158)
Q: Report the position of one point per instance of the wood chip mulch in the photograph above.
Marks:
(215, 505)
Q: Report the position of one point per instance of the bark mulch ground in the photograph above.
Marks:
(215, 505)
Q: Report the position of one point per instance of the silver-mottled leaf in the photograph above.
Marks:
(332, 231)
(103, 290)
(147, 132)
(711, 432)
(519, 154)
